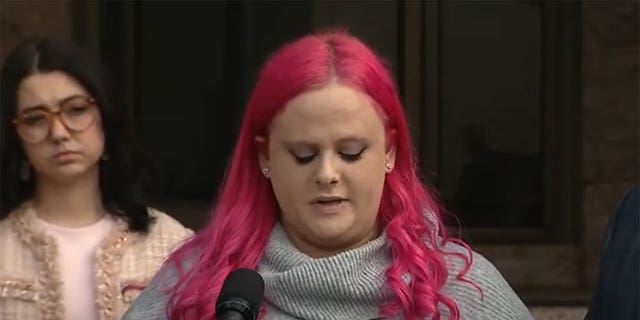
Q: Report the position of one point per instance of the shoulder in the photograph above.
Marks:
(619, 263)
(17, 230)
(165, 235)
(22, 215)
(19, 275)
(10, 245)
(164, 223)
(625, 220)
(631, 199)
(621, 245)
(9, 241)
(166, 229)
(152, 303)
(493, 298)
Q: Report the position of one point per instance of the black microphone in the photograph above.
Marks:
(241, 296)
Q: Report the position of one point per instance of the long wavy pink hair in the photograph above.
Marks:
(246, 209)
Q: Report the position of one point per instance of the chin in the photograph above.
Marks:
(68, 172)
(332, 233)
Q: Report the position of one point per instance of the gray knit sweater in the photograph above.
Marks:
(348, 286)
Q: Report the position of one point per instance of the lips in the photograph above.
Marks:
(328, 200)
(329, 205)
(65, 155)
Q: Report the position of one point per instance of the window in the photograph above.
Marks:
(494, 87)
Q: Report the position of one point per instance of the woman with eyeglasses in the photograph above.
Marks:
(75, 240)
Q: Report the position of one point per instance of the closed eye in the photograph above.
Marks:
(35, 119)
(305, 159)
(78, 109)
(352, 157)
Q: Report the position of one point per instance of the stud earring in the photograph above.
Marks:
(387, 165)
(265, 171)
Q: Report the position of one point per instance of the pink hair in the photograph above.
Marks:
(246, 209)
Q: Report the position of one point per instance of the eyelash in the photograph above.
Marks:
(352, 157)
(345, 157)
(303, 160)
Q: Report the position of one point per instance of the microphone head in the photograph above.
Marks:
(242, 291)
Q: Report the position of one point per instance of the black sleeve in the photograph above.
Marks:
(616, 295)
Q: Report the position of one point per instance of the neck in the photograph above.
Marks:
(74, 203)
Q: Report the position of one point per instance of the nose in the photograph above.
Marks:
(327, 173)
(59, 131)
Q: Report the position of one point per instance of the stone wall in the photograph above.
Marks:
(610, 156)
(610, 133)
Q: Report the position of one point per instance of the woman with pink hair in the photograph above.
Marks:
(323, 200)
